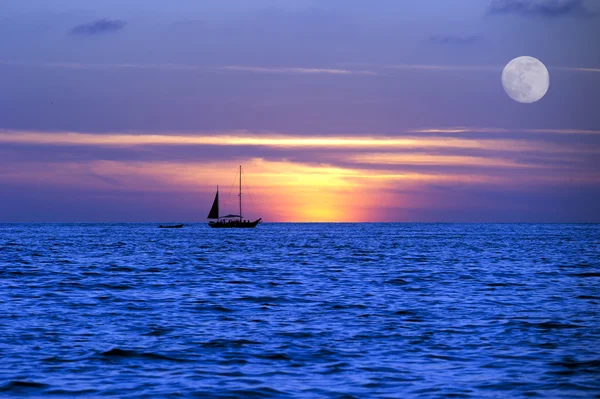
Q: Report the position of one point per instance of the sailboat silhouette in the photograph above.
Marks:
(229, 221)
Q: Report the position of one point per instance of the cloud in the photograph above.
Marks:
(282, 70)
(184, 67)
(595, 70)
(98, 27)
(442, 139)
(298, 178)
(453, 39)
(546, 8)
(80, 65)
(462, 129)
(439, 67)
(459, 68)
(302, 71)
(427, 159)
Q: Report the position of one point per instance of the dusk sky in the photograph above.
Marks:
(338, 110)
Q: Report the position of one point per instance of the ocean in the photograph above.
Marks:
(300, 311)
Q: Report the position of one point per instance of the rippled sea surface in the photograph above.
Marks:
(300, 310)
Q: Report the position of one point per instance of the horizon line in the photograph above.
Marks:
(309, 222)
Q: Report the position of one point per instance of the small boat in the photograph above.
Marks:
(172, 226)
(230, 221)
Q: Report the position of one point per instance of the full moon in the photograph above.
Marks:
(525, 79)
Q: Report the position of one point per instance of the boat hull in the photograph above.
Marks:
(236, 224)
(177, 226)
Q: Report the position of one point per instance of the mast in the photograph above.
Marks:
(240, 193)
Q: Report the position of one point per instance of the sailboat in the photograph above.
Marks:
(229, 221)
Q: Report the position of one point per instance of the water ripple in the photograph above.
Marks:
(300, 311)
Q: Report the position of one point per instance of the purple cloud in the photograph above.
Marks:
(99, 27)
(546, 8)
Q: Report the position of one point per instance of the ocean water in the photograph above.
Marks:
(300, 311)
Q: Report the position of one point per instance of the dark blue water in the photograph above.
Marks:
(300, 310)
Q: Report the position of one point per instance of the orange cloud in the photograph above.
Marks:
(373, 174)
(243, 138)
(278, 191)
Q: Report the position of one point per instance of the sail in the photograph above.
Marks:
(214, 211)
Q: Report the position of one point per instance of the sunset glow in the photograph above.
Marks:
(330, 178)
(140, 118)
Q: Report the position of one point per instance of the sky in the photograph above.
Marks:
(338, 110)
